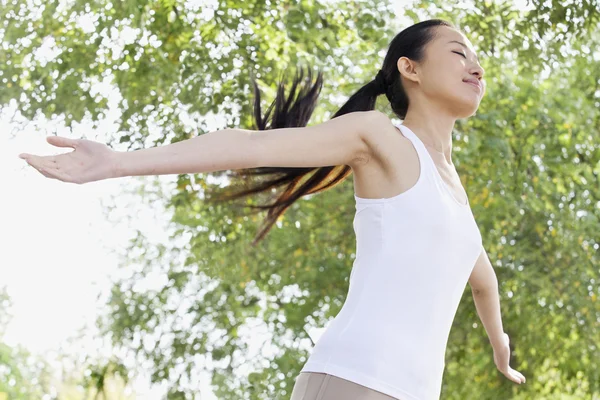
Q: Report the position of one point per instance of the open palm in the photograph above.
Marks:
(89, 161)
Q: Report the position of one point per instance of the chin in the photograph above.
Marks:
(465, 110)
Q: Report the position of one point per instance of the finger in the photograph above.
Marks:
(518, 377)
(513, 377)
(43, 165)
(42, 171)
(61, 141)
(51, 169)
(40, 162)
(48, 171)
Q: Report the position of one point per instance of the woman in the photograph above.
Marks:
(417, 241)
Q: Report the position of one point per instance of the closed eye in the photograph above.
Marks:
(456, 52)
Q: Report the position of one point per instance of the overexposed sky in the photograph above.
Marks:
(58, 250)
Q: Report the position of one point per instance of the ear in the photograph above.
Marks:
(407, 69)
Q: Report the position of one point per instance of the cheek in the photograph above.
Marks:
(445, 76)
(446, 83)
(437, 80)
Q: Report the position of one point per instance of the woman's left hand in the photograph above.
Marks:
(502, 358)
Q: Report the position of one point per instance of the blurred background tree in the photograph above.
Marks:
(529, 160)
(22, 375)
(63, 375)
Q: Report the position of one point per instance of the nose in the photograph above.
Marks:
(478, 71)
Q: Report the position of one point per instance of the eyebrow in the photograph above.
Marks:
(465, 46)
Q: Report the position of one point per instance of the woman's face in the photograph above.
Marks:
(450, 61)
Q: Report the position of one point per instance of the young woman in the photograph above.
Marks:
(417, 241)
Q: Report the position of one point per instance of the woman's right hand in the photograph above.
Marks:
(502, 359)
(89, 161)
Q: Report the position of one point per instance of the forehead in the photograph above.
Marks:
(446, 36)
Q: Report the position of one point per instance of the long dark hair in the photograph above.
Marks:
(295, 111)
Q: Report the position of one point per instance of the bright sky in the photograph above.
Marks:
(58, 248)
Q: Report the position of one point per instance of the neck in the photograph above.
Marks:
(435, 133)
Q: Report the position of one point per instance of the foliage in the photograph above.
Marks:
(23, 376)
(529, 160)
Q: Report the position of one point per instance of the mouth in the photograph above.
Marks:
(474, 84)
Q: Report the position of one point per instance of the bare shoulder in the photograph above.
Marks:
(390, 166)
(386, 144)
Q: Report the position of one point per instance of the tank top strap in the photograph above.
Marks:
(428, 164)
(424, 157)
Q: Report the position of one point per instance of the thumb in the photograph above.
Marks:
(61, 141)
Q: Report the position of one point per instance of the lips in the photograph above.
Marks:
(473, 82)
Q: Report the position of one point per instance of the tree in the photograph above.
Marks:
(61, 375)
(22, 375)
(529, 160)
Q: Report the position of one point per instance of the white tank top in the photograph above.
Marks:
(414, 255)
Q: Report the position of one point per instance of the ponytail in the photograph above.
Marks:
(296, 109)
(293, 110)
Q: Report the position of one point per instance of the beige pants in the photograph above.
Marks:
(319, 386)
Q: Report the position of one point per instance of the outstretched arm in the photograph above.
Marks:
(339, 141)
(484, 286)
